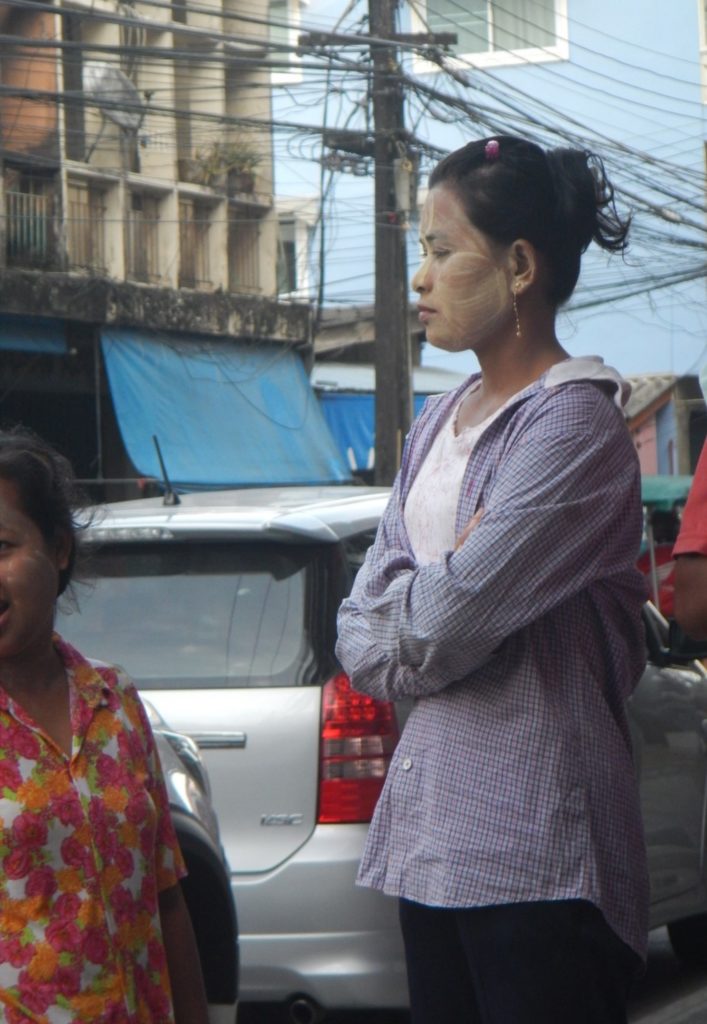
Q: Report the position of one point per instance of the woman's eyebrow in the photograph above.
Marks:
(433, 236)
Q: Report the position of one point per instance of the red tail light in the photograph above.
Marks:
(359, 735)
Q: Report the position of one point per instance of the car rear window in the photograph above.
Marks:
(188, 615)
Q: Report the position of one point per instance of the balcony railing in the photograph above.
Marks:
(30, 234)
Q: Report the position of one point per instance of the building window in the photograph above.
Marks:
(297, 219)
(194, 226)
(85, 227)
(278, 27)
(497, 26)
(283, 33)
(30, 226)
(286, 257)
(243, 253)
(142, 238)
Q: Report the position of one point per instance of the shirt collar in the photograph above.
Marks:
(91, 683)
(93, 686)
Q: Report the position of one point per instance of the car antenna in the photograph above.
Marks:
(170, 495)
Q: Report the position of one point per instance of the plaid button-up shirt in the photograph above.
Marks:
(513, 779)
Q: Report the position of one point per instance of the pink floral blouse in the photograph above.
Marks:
(86, 845)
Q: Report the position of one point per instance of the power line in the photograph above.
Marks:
(669, 213)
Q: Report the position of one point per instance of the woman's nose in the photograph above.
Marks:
(419, 278)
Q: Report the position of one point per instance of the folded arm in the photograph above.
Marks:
(558, 516)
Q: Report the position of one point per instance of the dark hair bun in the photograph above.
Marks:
(585, 200)
(560, 200)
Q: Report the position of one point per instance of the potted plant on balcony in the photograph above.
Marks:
(229, 164)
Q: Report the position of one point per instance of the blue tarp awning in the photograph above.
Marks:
(225, 414)
(32, 334)
(347, 395)
(351, 419)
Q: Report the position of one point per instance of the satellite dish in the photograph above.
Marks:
(105, 83)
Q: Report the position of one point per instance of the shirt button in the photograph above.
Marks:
(406, 764)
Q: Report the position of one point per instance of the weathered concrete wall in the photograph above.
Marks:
(99, 301)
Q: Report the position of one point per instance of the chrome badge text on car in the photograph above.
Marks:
(281, 819)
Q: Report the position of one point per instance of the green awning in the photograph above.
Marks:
(663, 492)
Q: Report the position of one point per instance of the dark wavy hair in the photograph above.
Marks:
(559, 200)
(47, 489)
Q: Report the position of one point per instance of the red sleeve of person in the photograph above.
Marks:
(692, 539)
(674, 535)
(664, 560)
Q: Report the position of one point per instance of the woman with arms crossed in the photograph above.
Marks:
(501, 592)
(93, 925)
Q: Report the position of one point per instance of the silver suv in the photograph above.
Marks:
(223, 608)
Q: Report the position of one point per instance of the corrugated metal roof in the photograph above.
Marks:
(361, 377)
(646, 388)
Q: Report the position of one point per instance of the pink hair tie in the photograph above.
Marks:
(491, 150)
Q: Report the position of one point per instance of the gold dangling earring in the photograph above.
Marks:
(515, 312)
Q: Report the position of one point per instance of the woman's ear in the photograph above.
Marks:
(523, 263)
(63, 547)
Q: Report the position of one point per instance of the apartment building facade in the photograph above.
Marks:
(139, 218)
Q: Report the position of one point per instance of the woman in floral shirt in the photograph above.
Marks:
(93, 925)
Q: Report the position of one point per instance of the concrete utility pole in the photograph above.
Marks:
(394, 164)
(392, 338)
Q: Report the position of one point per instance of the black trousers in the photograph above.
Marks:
(521, 963)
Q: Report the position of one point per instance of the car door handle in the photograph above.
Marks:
(219, 740)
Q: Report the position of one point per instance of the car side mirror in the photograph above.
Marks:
(683, 647)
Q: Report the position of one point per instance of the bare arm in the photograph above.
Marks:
(188, 994)
(691, 595)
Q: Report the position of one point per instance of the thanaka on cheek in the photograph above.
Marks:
(474, 294)
(463, 283)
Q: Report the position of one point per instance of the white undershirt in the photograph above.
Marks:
(431, 506)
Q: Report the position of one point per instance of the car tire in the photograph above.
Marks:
(689, 940)
(209, 900)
